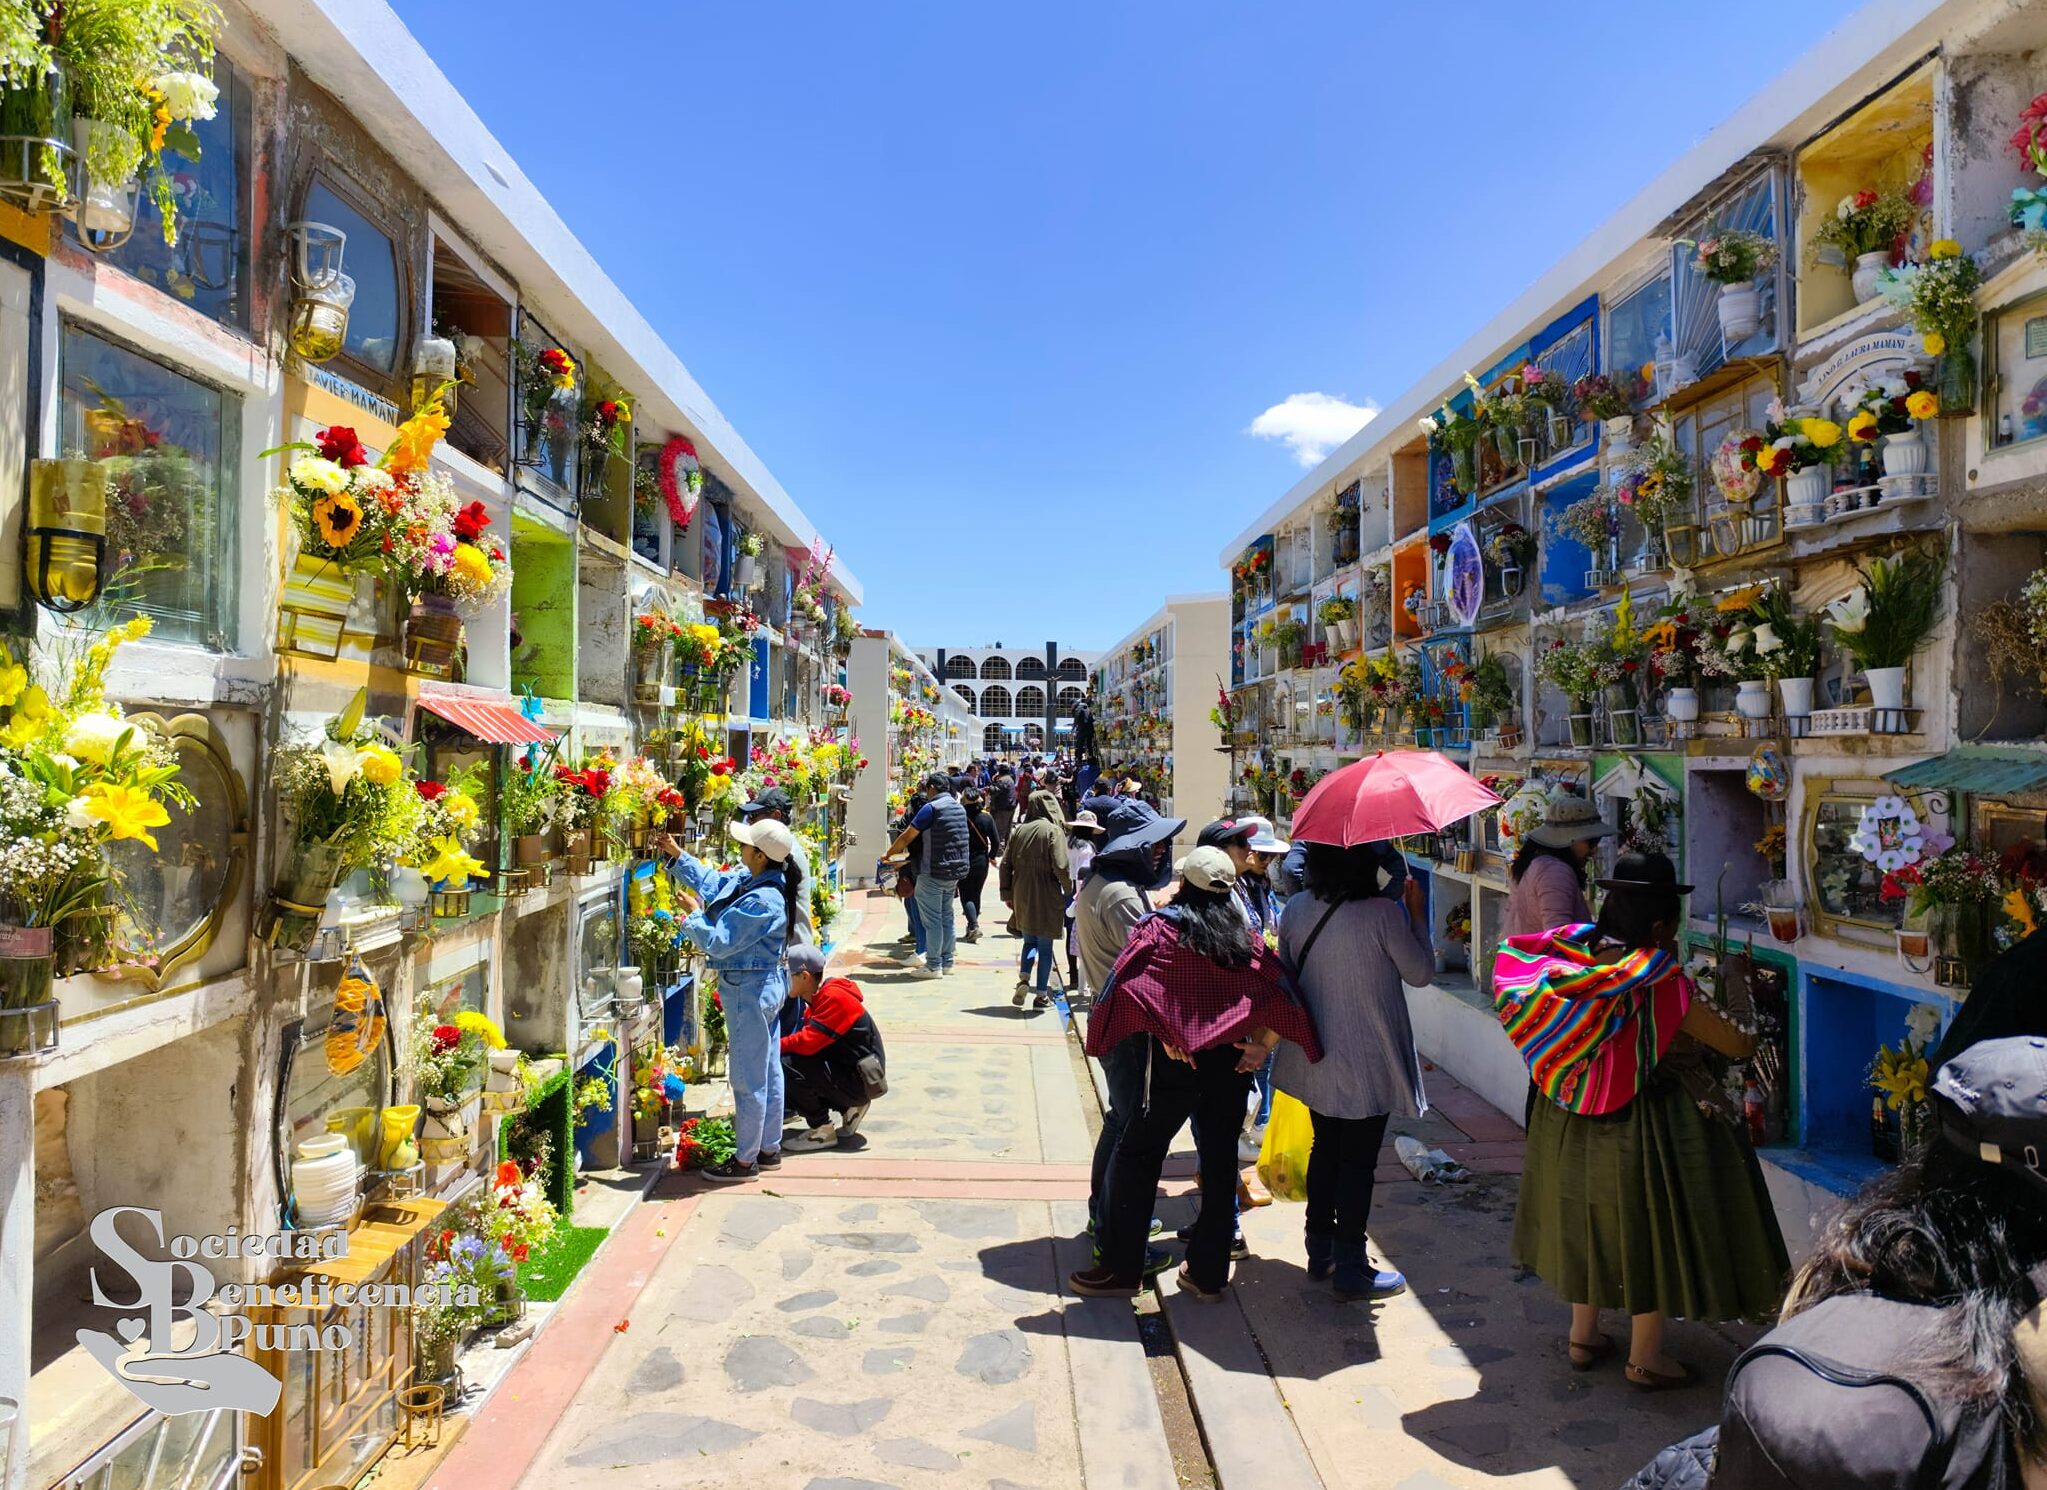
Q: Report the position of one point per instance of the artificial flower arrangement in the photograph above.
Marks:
(1547, 391)
(705, 1143)
(531, 795)
(1456, 433)
(1788, 445)
(1957, 876)
(520, 1215)
(445, 1057)
(1577, 669)
(837, 696)
(654, 630)
(1301, 780)
(1415, 600)
(1593, 521)
(1608, 395)
(452, 819)
(1733, 467)
(680, 476)
(1510, 546)
(1903, 1076)
(1731, 256)
(1489, 691)
(1865, 222)
(604, 428)
(75, 778)
(809, 598)
(350, 800)
(585, 795)
(1889, 406)
(1940, 296)
(1894, 610)
(1247, 569)
(641, 796)
(546, 373)
(1655, 484)
(1674, 640)
(2029, 143)
(1457, 923)
(1786, 643)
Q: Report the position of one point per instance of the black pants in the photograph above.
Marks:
(1003, 822)
(1211, 1092)
(971, 886)
(1123, 1074)
(1340, 1170)
(814, 1087)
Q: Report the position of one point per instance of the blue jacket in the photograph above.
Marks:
(744, 942)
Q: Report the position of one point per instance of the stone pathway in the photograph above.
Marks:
(890, 1315)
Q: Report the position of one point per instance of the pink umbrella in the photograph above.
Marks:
(1387, 796)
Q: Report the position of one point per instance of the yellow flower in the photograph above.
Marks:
(452, 865)
(132, 631)
(1822, 432)
(128, 813)
(1662, 635)
(31, 718)
(1740, 600)
(317, 473)
(2020, 909)
(1766, 459)
(380, 765)
(338, 519)
(1862, 427)
(1648, 372)
(471, 568)
(417, 436)
(461, 809)
(472, 1022)
(13, 680)
(1944, 248)
(1922, 403)
(1935, 344)
(96, 736)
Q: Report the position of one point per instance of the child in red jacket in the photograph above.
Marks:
(822, 1060)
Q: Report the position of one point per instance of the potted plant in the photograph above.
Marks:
(1889, 410)
(1594, 521)
(1673, 642)
(530, 794)
(1887, 618)
(1862, 233)
(1787, 645)
(1343, 529)
(1953, 894)
(1727, 650)
(1489, 692)
(1576, 671)
(1941, 297)
(1733, 258)
(1610, 398)
(1655, 486)
(1798, 448)
(604, 427)
(446, 1059)
(1902, 1078)
(1339, 618)
(746, 572)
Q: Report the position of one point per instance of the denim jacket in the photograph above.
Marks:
(746, 938)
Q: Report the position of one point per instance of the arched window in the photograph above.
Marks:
(964, 692)
(995, 667)
(1030, 701)
(957, 666)
(1073, 670)
(991, 738)
(1031, 667)
(994, 702)
(1068, 697)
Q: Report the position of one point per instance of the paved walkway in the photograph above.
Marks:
(892, 1314)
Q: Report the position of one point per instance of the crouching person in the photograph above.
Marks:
(833, 1062)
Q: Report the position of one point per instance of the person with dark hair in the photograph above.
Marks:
(1002, 803)
(1547, 877)
(981, 844)
(1352, 945)
(827, 1057)
(938, 830)
(1631, 1197)
(1037, 876)
(1208, 1002)
(743, 920)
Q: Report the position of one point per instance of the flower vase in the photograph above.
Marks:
(596, 467)
(1955, 381)
(581, 850)
(1581, 722)
(1752, 698)
(106, 203)
(746, 573)
(1886, 687)
(447, 1133)
(436, 1365)
(1807, 489)
(1741, 313)
(1464, 469)
(395, 1136)
(502, 1074)
(433, 636)
(1623, 719)
(1507, 441)
(1618, 433)
(1905, 454)
(1562, 431)
(1796, 696)
(1681, 705)
(1867, 279)
(1512, 578)
(650, 666)
(28, 1011)
(1961, 942)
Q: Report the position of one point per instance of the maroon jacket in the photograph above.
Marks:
(1164, 988)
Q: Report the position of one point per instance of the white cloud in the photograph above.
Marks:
(1313, 424)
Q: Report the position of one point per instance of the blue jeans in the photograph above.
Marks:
(916, 923)
(1263, 1080)
(1042, 945)
(934, 913)
(754, 1059)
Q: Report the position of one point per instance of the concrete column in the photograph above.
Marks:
(17, 1252)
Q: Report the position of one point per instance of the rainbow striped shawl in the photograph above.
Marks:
(1591, 1032)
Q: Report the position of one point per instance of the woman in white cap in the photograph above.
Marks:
(1548, 873)
(742, 920)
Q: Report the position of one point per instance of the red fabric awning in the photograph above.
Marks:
(501, 723)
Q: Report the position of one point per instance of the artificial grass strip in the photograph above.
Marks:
(547, 1271)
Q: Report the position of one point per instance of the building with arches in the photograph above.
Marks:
(1025, 696)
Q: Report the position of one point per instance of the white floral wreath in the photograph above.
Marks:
(1889, 834)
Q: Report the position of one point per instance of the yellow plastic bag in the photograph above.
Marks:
(1283, 1158)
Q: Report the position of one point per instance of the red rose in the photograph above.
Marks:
(338, 443)
(1439, 543)
(1628, 665)
(446, 1038)
(1864, 198)
(433, 791)
(1752, 444)
(471, 521)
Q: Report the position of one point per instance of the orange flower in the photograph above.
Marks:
(417, 436)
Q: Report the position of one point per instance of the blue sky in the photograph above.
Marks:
(999, 291)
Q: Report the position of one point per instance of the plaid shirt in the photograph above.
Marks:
(1164, 988)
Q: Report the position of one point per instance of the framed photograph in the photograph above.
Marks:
(2015, 380)
(2000, 827)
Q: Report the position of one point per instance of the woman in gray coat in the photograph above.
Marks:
(1352, 945)
(1037, 877)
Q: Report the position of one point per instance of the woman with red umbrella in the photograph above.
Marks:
(1206, 997)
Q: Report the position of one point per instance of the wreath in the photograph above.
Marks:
(682, 480)
(1889, 834)
(358, 1026)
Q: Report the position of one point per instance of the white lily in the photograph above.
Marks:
(343, 761)
(76, 816)
(1682, 584)
(1850, 614)
(1923, 1023)
(1738, 640)
(1767, 640)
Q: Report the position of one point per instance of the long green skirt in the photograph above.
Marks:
(1656, 1207)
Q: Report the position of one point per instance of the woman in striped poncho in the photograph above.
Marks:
(1631, 1197)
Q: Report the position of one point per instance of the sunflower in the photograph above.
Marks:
(338, 518)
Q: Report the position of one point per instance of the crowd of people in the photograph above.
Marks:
(1910, 1347)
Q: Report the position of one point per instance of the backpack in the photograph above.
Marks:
(1825, 1401)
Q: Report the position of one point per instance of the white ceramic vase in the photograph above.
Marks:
(1741, 312)
(1681, 705)
(1796, 694)
(1809, 487)
(1867, 278)
(1905, 454)
(1752, 698)
(1886, 687)
(1619, 434)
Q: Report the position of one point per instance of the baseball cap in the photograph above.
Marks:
(1227, 830)
(770, 837)
(774, 799)
(1990, 1100)
(1209, 868)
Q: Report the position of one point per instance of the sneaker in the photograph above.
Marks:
(1157, 1225)
(1023, 988)
(770, 1161)
(731, 1172)
(946, 971)
(1041, 1000)
(907, 939)
(1100, 1283)
(971, 934)
(1156, 1260)
(924, 970)
(1195, 1291)
(850, 1119)
(1239, 1249)
(824, 1135)
(1383, 1283)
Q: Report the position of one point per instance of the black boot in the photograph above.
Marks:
(1321, 1254)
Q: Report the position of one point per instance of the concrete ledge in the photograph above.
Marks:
(1461, 1035)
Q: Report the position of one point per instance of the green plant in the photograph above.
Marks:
(751, 544)
(1337, 608)
(705, 1143)
(545, 1275)
(1884, 622)
(1656, 485)
(1575, 669)
(1865, 222)
(530, 794)
(1593, 520)
(1788, 643)
(1492, 693)
(1940, 295)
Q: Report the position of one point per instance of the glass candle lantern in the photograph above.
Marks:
(67, 531)
(316, 254)
(433, 369)
(319, 319)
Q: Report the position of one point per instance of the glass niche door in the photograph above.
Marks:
(192, 1451)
